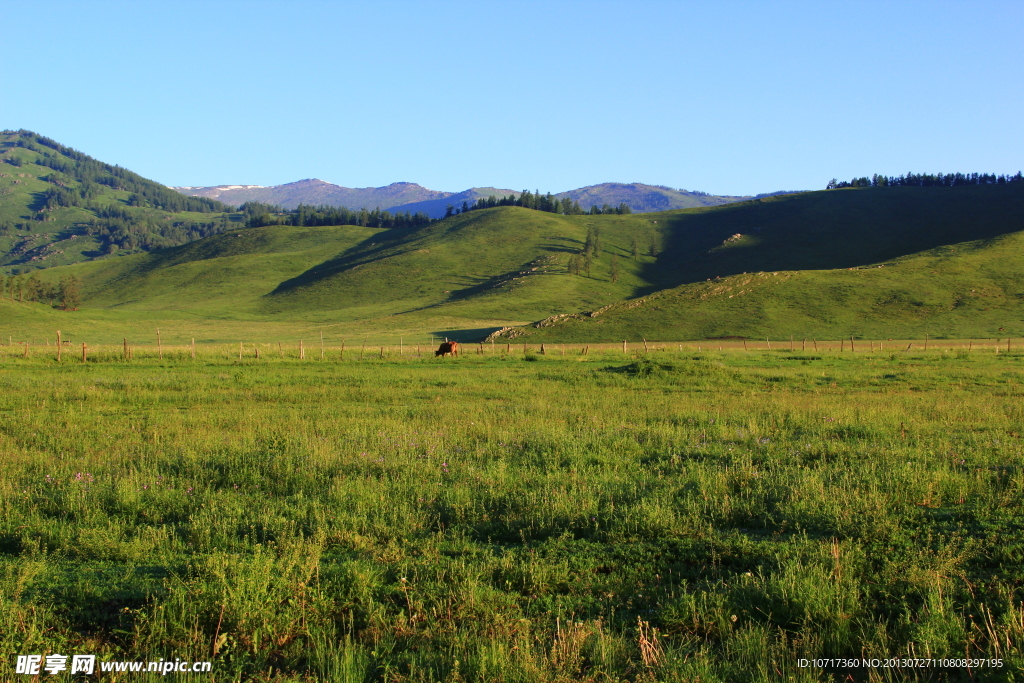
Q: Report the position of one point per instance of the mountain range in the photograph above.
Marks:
(401, 197)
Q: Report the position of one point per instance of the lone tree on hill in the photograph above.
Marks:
(70, 294)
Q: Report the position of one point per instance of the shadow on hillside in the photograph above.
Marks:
(367, 251)
(570, 246)
(829, 230)
(464, 336)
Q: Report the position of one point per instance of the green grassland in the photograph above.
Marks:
(671, 516)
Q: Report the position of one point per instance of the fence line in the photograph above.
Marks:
(160, 350)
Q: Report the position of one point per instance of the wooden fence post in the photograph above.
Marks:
(624, 346)
(342, 349)
(768, 342)
(58, 346)
(193, 348)
(851, 344)
(26, 349)
(321, 344)
(159, 345)
(302, 351)
(542, 352)
(239, 350)
(124, 352)
(84, 357)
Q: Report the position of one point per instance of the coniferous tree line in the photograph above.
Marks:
(538, 202)
(927, 180)
(130, 232)
(258, 214)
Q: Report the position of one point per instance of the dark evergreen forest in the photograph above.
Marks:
(927, 180)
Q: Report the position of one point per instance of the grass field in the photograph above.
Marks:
(674, 515)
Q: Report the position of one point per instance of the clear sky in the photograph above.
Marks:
(725, 97)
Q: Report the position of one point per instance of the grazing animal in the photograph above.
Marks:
(448, 347)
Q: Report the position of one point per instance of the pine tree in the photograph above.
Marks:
(615, 268)
(592, 246)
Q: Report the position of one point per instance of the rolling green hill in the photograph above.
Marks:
(692, 273)
(504, 265)
(878, 263)
(59, 206)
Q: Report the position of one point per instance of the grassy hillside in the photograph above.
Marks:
(59, 206)
(507, 261)
(971, 289)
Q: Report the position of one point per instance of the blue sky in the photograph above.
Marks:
(725, 97)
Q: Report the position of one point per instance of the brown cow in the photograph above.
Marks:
(448, 347)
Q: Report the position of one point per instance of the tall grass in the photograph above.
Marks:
(674, 516)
